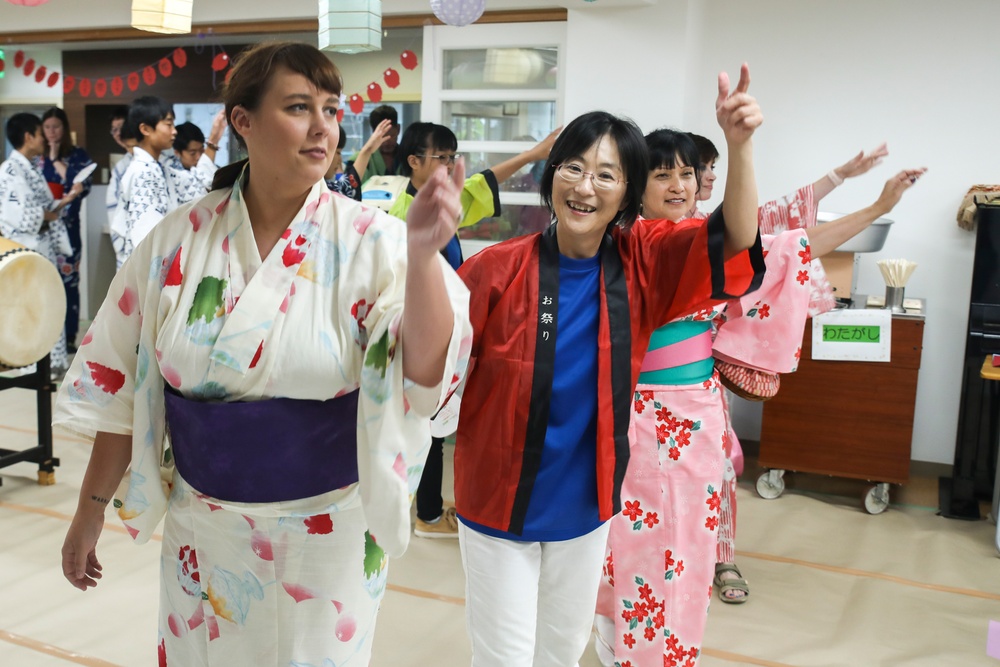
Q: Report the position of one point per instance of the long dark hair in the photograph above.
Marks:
(66, 143)
(582, 133)
(250, 77)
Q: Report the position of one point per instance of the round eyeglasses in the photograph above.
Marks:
(574, 173)
(443, 159)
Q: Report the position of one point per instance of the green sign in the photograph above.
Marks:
(851, 333)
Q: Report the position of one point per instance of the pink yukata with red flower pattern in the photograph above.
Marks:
(680, 439)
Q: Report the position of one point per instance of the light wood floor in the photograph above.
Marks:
(831, 585)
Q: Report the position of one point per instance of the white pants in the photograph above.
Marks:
(530, 604)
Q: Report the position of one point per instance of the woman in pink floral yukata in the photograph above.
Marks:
(261, 329)
(657, 584)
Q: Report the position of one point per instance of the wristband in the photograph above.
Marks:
(837, 180)
(215, 147)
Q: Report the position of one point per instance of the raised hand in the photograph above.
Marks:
(862, 163)
(379, 136)
(738, 113)
(541, 150)
(896, 186)
(432, 218)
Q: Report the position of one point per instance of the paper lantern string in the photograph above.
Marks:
(116, 84)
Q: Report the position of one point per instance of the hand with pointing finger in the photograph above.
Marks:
(737, 111)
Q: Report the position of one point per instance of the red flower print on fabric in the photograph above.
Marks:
(764, 311)
(107, 379)
(174, 275)
(802, 277)
(293, 253)
(256, 356)
(128, 301)
(674, 453)
(320, 524)
(646, 395)
(639, 407)
(668, 559)
(628, 640)
(632, 510)
(649, 633)
(679, 568)
(712, 522)
(651, 519)
(806, 255)
(161, 653)
(714, 502)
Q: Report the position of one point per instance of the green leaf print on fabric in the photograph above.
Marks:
(374, 557)
(208, 301)
(377, 357)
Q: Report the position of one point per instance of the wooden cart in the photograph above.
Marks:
(845, 418)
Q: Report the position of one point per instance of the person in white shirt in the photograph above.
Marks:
(191, 167)
(123, 136)
(28, 213)
(145, 196)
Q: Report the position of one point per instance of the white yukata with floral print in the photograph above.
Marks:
(294, 583)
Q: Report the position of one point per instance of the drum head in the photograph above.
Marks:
(32, 306)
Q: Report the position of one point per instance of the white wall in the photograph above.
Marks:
(833, 78)
(16, 89)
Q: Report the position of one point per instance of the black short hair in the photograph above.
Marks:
(383, 112)
(120, 112)
(667, 146)
(19, 125)
(585, 131)
(421, 137)
(186, 133)
(147, 110)
(707, 152)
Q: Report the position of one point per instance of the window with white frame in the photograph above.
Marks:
(499, 88)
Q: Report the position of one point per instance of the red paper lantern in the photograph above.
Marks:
(220, 62)
(133, 81)
(166, 69)
(18, 59)
(3, 64)
(408, 59)
(53, 79)
(374, 92)
(40, 74)
(180, 57)
(149, 75)
(117, 86)
(85, 87)
(391, 77)
(340, 115)
(356, 102)
(29, 67)
(68, 83)
(27, 3)
(101, 87)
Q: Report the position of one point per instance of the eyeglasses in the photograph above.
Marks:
(443, 159)
(574, 173)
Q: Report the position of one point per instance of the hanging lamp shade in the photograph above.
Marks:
(350, 26)
(458, 12)
(166, 16)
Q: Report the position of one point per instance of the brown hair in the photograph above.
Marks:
(250, 76)
(66, 143)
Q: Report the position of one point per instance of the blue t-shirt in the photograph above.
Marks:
(563, 502)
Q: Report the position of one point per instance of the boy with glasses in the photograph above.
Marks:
(426, 146)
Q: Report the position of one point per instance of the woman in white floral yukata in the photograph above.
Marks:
(260, 330)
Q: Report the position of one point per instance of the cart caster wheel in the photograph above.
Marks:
(46, 478)
(771, 484)
(877, 499)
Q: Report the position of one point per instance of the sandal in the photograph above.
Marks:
(724, 586)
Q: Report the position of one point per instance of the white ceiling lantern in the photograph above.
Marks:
(350, 26)
(167, 16)
(458, 12)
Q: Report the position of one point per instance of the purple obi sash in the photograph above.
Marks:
(264, 451)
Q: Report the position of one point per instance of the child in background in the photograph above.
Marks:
(144, 197)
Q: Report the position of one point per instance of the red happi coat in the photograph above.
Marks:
(668, 270)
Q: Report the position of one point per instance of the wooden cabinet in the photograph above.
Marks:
(847, 418)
